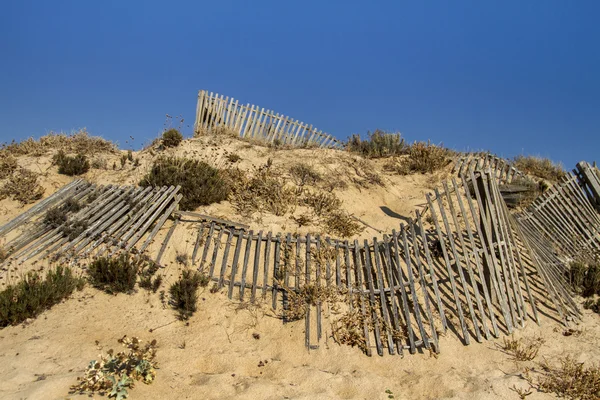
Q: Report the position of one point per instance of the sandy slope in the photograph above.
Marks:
(215, 356)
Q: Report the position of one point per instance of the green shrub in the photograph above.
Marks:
(115, 275)
(200, 183)
(422, 157)
(71, 166)
(57, 216)
(571, 380)
(539, 167)
(33, 294)
(146, 273)
(379, 144)
(171, 138)
(184, 292)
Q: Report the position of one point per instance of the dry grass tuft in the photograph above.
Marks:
(22, 186)
(348, 329)
(539, 167)
(522, 349)
(8, 165)
(80, 142)
(341, 224)
(322, 203)
(265, 191)
(422, 157)
(571, 380)
(379, 144)
(71, 165)
(304, 174)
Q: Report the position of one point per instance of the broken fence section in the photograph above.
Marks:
(252, 122)
(83, 219)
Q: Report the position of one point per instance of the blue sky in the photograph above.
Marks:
(513, 77)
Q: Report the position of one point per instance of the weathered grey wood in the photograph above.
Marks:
(432, 274)
(413, 291)
(466, 259)
(245, 265)
(400, 279)
(234, 265)
(166, 241)
(318, 283)
(382, 297)
(483, 232)
(276, 270)
(442, 242)
(220, 221)
(359, 271)
(256, 267)
(348, 275)
(393, 297)
(198, 240)
(475, 251)
(266, 265)
(213, 260)
(338, 273)
(307, 273)
(368, 271)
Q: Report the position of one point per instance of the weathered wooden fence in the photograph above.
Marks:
(501, 169)
(252, 122)
(465, 264)
(589, 179)
(104, 220)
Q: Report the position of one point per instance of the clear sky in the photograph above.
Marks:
(513, 77)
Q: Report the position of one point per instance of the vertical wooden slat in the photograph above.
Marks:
(234, 264)
(368, 271)
(359, 270)
(245, 265)
(225, 256)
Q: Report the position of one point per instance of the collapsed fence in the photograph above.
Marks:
(253, 122)
(464, 264)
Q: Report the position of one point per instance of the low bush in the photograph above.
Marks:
(57, 216)
(71, 165)
(171, 138)
(34, 294)
(322, 203)
(115, 274)
(184, 292)
(147, 273)
(341, 224)
(303, 174)
(379, 144)
(571, 380)
(539, 167)
(422, 157)
(200, 183)
(585, 278)
(265, 191)
(22, 186)
(8, 165)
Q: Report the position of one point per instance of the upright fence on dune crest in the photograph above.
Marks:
(253, 122)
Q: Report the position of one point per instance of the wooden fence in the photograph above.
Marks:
(253, 122)
(589, 179)
(465, 264)
(105, 220)
(501, 169)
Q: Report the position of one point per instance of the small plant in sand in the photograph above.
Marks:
(172, 138)
(233, 158)
(3, 254)
(585, 278)
(148, 278)
(341, 224)
(8, 165)
(322, 203)
(570, 380)
(114, 373)
(264, 191)
(71, 165)
(34, 294)
(201, 184)
(539, 167)
(184, 292)
(379, 144)
(115, 274)
(22, 186)
(304, 174)
(422, 157)
(522, 349)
